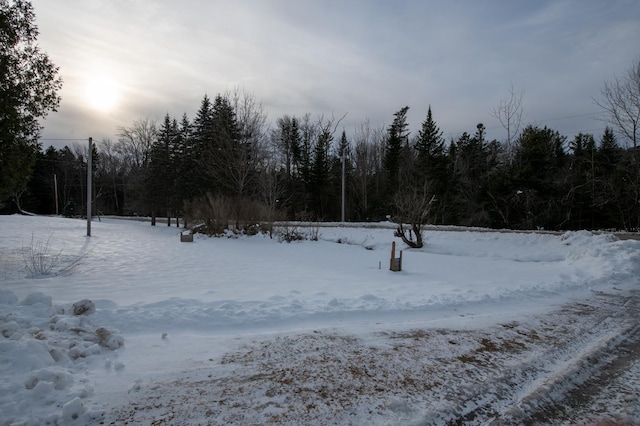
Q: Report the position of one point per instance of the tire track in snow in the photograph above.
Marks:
(545, 371)
(566, 395)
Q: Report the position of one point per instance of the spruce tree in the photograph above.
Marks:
(320, 169)
(397, 138)
(431, 164)
(161, 175)
(197, 152)
(229, 159)
(429, 144)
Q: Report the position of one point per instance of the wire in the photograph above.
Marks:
(51, 139)
(571, 116)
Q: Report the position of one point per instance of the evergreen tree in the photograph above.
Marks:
(540, 158)
(609, 181)
(40, 194)
(431, 165)
(288, 143)
(229, 159)
(608, 153)
(579, 192)
(397, 138)
(320, 171)
(430, 147)
(309, 133)
(198, 150)
(187, 161)
(29, 88)
(161, 176)
(471, 178)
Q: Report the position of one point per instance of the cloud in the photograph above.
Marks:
(362, 57)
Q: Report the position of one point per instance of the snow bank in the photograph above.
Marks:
(45, 352)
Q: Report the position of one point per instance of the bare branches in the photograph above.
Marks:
(621, 101)
(510, 113)
(413, 203)
(135, 142)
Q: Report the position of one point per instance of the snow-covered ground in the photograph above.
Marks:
(131, 326)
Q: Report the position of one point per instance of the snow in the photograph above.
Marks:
(132, 325)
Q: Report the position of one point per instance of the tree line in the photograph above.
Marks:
(225, 166)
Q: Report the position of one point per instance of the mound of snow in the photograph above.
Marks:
(46, 351)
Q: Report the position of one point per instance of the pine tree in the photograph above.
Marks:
(397, 138)
(161, 175)
(430, 145)
(188, 175)
(540, 159)
(579, 193)
(229, 157)
(29, 87)
(288, 143)
(610, 176)
(197, 150)
(608, 153)
(431, 164)
(320, 171)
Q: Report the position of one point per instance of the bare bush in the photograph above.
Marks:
(297, 231)
(215, 215)
(38, 258)
(209, 214)
(288, 232)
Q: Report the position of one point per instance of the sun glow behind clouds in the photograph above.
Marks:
(101, 91)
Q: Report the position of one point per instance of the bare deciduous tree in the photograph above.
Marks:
(367, 164)
(413, 204)
(134, 142)
(509, 113)
(621, 101)
(241, 158)
(272, 187)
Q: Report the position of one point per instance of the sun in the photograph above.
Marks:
(101, 92)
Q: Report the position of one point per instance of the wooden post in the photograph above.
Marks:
(395, 264)
(393, 256)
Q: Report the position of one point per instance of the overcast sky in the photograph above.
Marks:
(366, 58)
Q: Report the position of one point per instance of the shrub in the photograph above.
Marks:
(215, 215)
(40, 261)
(38, 258)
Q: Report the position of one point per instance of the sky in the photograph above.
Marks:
(126, 60)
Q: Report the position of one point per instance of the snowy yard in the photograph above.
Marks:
(133, 326)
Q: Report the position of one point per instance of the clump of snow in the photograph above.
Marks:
(72, 409)
(37, 298)
(84, 307)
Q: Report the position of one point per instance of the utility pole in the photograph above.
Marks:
(342, 216)
(89, 160)
(343, 154)
(55, 192)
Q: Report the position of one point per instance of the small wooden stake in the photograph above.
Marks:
(395, 265)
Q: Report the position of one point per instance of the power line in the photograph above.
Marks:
(558, 118)
(571, 116)
(66, 139)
